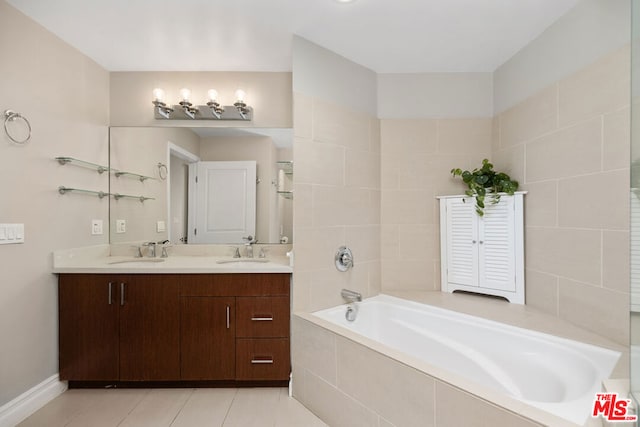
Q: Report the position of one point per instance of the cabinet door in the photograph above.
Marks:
(88, 327)
(497, 246)
(207, 330)
(462, 238)
(149, 328)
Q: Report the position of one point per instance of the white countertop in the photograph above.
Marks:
(99, 259)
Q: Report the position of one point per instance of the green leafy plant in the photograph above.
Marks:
(485, 182)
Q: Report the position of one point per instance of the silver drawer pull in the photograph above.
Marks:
(228, 316)
(262, 319)
(110, 291)
(262, 361)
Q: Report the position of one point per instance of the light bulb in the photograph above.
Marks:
(185, 94)
(240, 95)
(213, 95)
(158, 95)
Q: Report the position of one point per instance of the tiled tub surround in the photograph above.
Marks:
(349, 379)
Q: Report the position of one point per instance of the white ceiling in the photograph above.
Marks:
(387, 36)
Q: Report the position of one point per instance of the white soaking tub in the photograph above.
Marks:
(557, 375)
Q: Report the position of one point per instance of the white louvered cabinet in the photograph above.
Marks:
(483, 254)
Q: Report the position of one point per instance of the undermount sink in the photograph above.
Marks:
(138, 261)
(230, 260)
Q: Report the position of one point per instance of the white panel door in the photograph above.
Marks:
(225, 208)
(462, 233)
(497, 246)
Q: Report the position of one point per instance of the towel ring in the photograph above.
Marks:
(10, 116)
(162, 171)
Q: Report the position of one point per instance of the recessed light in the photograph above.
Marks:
(345, 1)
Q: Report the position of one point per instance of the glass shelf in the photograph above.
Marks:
(286, 194)
(142, 199)
(142, 178)
(286, 166)
(72, 160)
(64, 190)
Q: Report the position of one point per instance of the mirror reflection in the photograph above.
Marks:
(201, 185)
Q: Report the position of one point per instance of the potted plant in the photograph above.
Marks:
(485, 182)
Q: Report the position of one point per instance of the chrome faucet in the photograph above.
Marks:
(351, 296)
(164, 246)
(236, 252)
(151, 252)
(250, 241)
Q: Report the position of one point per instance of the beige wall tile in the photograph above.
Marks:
(454, 407)
(495, 133)
(390, 242)
(440, 166)
(337, 125)
(597, 309)
(616, 140)
(302, 115)
(315, 247)
(541, 291)
(571, 253)
(374, 136)
(300, 289)
(362, 169)
(595, 201)
(400, 394)
(302, 205)
(326, 285)
(364, 241)
(510, 161)
(534, 117)
(314, 349)
(418, 242)
(404, 275)
(615, 260)
(464, 136)
(319, 163)
(599, 88)
(406, 136)
(375, 278)
(374, 212)
(541, 203)
(334, 407)
(334, 206)
(407, 207)
(571, 151)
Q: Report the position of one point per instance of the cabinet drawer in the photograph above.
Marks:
(262, 359)
(234, 284)
(262, 317)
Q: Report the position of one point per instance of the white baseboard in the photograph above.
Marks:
(30, 401)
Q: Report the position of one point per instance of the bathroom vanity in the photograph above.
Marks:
(170, 324)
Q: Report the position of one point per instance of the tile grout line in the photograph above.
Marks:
(193, 390)
(229, 408)
(134, 407)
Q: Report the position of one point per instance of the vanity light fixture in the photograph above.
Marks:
(212, 110)
(161, 107)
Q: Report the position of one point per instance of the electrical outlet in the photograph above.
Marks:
(160, 226)
(121, 226)
(96, 227)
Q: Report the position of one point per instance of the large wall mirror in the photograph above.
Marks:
(243, 185)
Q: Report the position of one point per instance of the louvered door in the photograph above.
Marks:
(462, 236)
(483, 254)
(496, 246)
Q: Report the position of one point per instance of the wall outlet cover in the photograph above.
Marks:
(160, 226)
(121, 226)
(96, 227)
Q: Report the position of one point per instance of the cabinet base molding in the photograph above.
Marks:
(175, 384)
(31, 400)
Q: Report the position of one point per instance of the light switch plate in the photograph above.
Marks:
(11, 234)
(96, 227)
(160, 226)
(121, 226)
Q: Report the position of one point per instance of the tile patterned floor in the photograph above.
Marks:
(200, 407)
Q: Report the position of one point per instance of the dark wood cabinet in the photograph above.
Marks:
(208, 338)
(174, 327)
(89, 328)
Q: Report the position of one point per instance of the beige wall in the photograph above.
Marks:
(65, 96)
(568, 145)
(139, 150)
(417, 157)
(268, 93)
